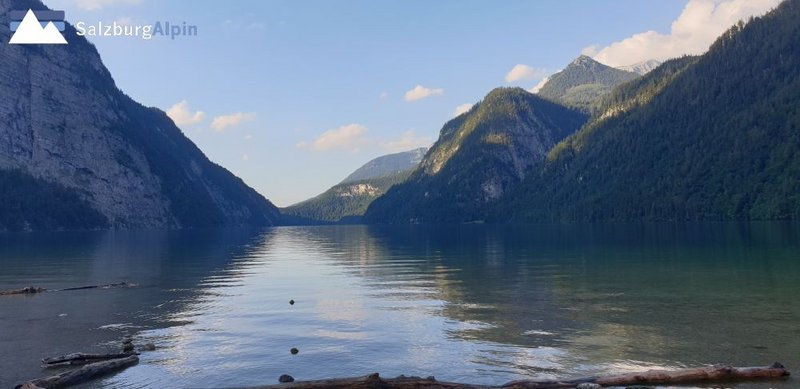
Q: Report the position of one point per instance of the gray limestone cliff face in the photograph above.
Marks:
(62, 119)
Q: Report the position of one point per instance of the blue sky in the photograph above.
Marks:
(294, 95)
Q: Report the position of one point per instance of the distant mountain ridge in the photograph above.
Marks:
(480, 156)
(348, 200)
(387, 165)
(67, 129)
(582, 82)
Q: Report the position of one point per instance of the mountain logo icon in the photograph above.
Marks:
(37, 28)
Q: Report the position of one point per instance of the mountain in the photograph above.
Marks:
(387, 165)
(72, 142)
(582, 82)
(343, 203)
(641, 68)
(715, 137)
(348, 200)
(479, 157)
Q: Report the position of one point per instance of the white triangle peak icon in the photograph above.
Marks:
(31, 32)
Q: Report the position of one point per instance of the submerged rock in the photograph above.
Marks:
(148, 347)
(589, 385)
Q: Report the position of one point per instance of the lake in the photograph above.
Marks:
(472, 303)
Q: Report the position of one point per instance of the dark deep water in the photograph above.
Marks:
(471, 303)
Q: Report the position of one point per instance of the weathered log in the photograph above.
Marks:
(26, 290)
(83, 374)
(106, 286)
(710, 374)
(717, 373)
(81, 358)
(34, 290)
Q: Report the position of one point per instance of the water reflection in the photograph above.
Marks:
(477, 303)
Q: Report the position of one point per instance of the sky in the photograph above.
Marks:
(292, 96)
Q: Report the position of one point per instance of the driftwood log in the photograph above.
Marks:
(106, 286)
(26, 290)
(81, 358)
(34, 290)
(82, 374)
(710, 374)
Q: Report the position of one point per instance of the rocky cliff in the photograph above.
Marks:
(63, 121)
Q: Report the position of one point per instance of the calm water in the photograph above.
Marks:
(472, 303)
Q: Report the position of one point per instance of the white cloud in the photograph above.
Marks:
(539, 86)
(221, 123)
(461, 109)
(408, 141)
(349, 137)
(590, 51)
(383, 95)
(699, 24)
(248, 137)
(420, 92)
(183, 116)
(93, 5)
(353, 138)
(245, 157)
(523, 72)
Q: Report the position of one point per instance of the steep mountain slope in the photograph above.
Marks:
(709, 138)
(582, 82)
(479, 156)
(388, 165)
(66, 127)
(641, 68)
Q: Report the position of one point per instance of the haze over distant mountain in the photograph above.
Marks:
(715, 137)
(76, 152)
(582, 82)
(387, 165)
(479, 157)
(641, 68)
(348, 200)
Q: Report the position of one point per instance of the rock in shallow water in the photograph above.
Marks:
(286, 378)
(589, 385)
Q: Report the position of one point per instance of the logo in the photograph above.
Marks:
(37, 27)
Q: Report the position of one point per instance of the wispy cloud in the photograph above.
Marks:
(521, 72)
(349, 137)
(353, 138)
(420, 92)
(221, 123)
(461, 109)
(182, 115)
(699, 24)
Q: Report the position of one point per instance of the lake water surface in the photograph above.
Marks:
(472, 303)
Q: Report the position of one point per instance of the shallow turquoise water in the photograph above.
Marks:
(472, 303)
